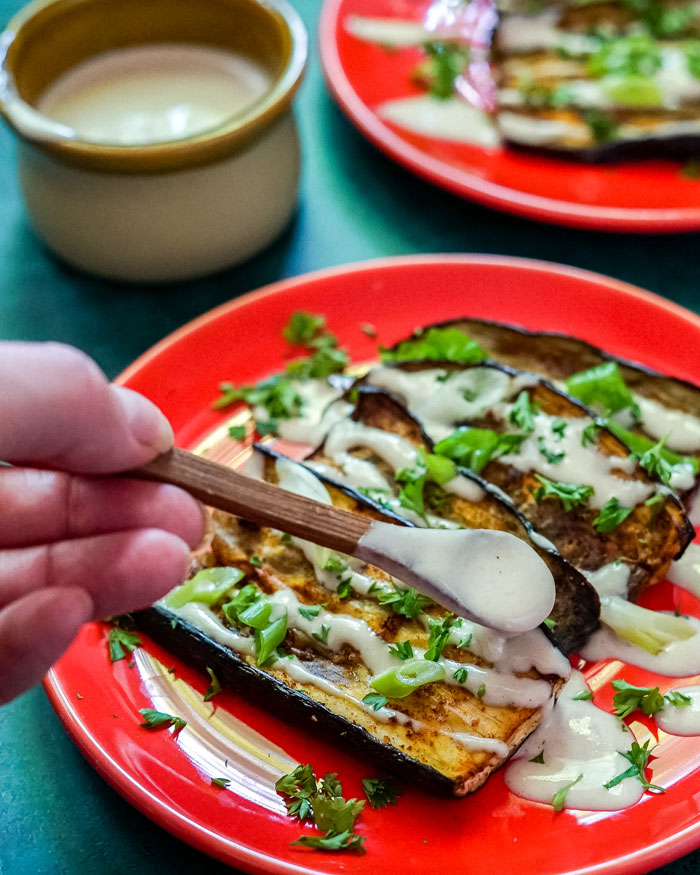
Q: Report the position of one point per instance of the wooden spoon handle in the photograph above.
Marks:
(257, 501)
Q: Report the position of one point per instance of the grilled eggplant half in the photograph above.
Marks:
(568, 475)
(648, 404)
(472, 503)
(446, 737)
(600, 81)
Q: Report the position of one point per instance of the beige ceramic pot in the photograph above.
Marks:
(160, 210)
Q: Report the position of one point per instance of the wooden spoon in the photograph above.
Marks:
(488, 576)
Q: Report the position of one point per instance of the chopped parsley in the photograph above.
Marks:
(256, 561)
(214, 687)
(570, 494)
(438, 636)
(539, 758)
(221, 782)
(310, 612)
(465, 642)
(436, 344)
(677, 699)
(407, 602)
(476, 447)
(402, 649)
(522, 412)
(460, 675)
(237, 432)
(612, 513)
(375, 701)
(559, 428)
(380, 792)
(583, 696)
(552, 458)
(412, 482)
(589, 435)
(550, 623)
(332, 841)
(322, 636)
(638, 755)
(481, 692)
(121, 643)
(559, 798)
(303, 327)
(437, 73)
(160, 720)
(648, 700)
(655, 462)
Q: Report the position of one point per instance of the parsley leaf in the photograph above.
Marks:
(335, 814)
(402, 649)
(310, 612)
(407, 602)
(436, 344)
(611, 515)
(122, 642)
(344, 841)
(438, 636)
(522, 412)
(380, 792)
(214, 687)
(601, 387)
(375, 701)
(539, 758)
(559, 798)
(552, 458)
(303, 327)
(629, 698)
(322, 636)
(237, 432)
(655, 462)
(460, 675)
(160, 720)
(638, 755)
(677, 699)
(570, 494)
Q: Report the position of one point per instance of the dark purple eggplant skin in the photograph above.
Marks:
(561, 350)
(577, 609)
(684, 147)
(294, 707)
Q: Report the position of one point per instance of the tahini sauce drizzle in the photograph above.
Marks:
(575, 738)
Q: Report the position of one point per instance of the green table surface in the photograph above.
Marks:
(58, 816)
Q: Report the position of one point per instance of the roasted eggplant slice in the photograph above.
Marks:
(577, 608)
(446, 736)
(666, 407)
(570, 477)
(600, 81)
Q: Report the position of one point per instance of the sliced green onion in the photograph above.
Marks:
(601, 387)
(268, 638)
(207, 586)
(241, 601)
(257, 615)
(401, 681)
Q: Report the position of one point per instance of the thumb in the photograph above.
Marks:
(59, 411)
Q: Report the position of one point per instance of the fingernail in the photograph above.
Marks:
(146, 423)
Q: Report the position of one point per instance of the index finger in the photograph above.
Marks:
(59, 411)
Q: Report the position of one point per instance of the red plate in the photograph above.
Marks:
(649, 196)
(169, 779)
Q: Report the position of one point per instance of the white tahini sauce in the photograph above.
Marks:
(489, 576)
(453, 119)
(442, 403)
(609, 579)
(681, 719)
(575, 738)
(320, 410)
(685, 572)
(153, 93)
(681, 430)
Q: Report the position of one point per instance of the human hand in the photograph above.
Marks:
(76, 547)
